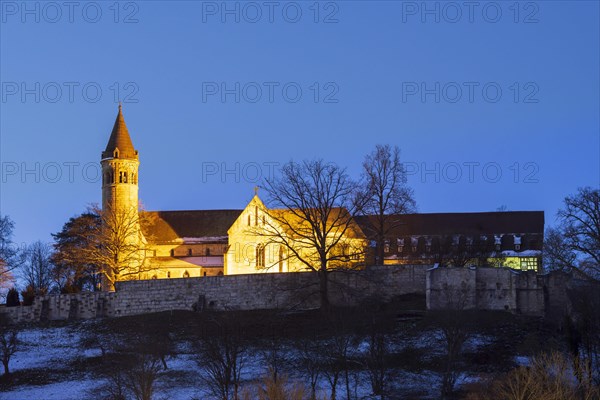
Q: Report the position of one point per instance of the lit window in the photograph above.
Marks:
(529, 263)
(386, 246)
(280, 258)
(260, 256)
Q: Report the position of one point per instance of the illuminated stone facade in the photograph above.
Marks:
(257, 237)
(181, 244)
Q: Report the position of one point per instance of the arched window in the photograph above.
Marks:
(154, 276)
(207, 252)
(260, 256)
(189, 252)
(280, 258)
(255, 215)
(168, 274)
(172, 253)
(220, 273)
(204, 273)
(186, 274)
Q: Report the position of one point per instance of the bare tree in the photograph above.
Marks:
(221, 356)
(10, 257)
(142, 375)
(384, 194)
(117, 245)
(454, 326)
(311, 216)
(575, 242)
(549, 377)
(8, 342)
(583, 330)
(36, 270)
(308, 361)
(376, 362)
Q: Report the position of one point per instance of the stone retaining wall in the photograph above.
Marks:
(236, 292)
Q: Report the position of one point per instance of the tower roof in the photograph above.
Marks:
(120, 139)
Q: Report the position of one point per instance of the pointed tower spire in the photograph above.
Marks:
(120, 140)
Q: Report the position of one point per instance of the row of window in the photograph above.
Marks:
(191, 253)
(422, 244)
(185, 274)
(256, 219)
(260, 257)
(108, 178)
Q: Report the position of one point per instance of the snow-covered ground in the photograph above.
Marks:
(55, 348)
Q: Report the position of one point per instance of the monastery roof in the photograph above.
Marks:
(165, 226)
(337, 219)
(120, 139)
(481, 223)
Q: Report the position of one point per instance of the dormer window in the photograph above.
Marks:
(116, 153)
(517, 243)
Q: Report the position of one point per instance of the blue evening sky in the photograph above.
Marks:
(492, 105)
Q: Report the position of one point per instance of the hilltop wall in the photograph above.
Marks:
(460, 288)
(236, 292)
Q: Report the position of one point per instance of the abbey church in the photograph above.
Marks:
(195, 243)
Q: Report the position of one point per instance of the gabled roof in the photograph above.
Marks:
(166, 226)
(482, 223)
(120, 139)
(337, 220)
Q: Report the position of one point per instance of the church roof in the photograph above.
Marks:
(166, 226)
(477, 223)
(120, 139)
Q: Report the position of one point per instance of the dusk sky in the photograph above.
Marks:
(492, 104)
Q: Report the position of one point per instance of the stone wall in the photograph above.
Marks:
(238, 292)
(465, 288)
(485, 289)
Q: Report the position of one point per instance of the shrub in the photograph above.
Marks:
(12, 298)
(28, 296)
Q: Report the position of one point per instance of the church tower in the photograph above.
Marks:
(120, 163)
